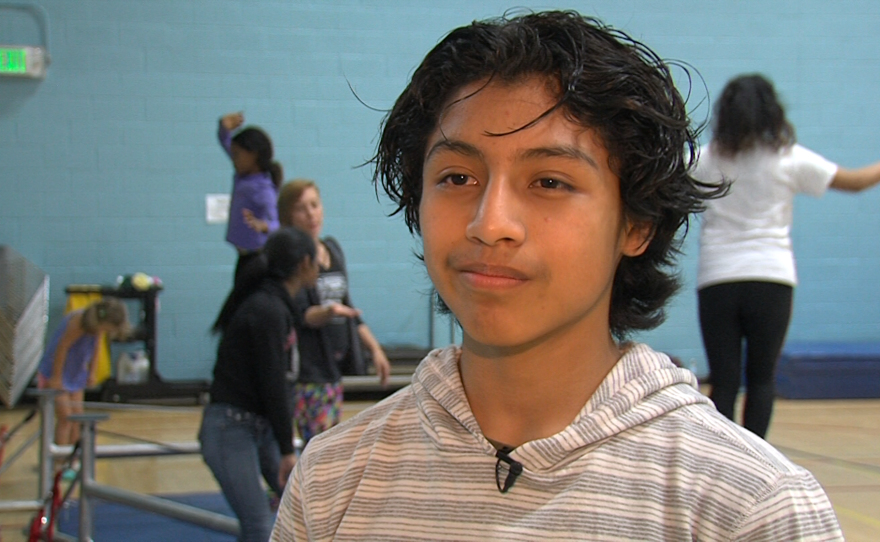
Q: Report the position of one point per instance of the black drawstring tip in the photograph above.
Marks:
(514, 469)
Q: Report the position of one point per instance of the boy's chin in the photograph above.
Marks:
(494, 340)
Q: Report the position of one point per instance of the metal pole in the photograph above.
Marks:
(19, 506)
(90, 488)
(10, 459)
(87, 469)
(165, 507)
(143, 449)
(46, 401)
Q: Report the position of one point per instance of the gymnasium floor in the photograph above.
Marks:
(839, 441)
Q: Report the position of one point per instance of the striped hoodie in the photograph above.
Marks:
(647, 458)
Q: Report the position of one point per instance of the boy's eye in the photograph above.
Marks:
(551, 184)
(457, 179)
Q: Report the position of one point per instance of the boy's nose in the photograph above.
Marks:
(497, 216)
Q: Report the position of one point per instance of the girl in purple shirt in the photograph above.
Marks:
(69, 363)
(253, 213)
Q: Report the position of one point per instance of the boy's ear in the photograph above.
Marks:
(636, 238)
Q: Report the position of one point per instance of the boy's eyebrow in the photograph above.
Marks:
(455, 146)
(565, 151)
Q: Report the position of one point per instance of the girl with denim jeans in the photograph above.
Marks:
(246, 432)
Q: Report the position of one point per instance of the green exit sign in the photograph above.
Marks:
(13, 61)
(22, 61)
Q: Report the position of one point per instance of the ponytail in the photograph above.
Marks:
(247, 282)
(281, 258)
(277, 173)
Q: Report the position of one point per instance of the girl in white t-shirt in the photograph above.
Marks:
(746, 273)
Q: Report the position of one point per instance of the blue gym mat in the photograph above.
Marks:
(112, 521)
(829, 370)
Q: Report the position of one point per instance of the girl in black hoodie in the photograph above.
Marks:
(246, 431)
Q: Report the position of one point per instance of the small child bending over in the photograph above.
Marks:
(69, 361)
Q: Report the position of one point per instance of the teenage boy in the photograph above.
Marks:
(544, 161)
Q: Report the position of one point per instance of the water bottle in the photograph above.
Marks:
(133, 367)
(140, 366)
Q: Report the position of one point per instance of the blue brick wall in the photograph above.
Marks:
(105, 164)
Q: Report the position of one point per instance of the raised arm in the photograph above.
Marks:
(227, 124)
(856, 180)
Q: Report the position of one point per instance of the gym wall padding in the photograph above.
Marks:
(106, 163)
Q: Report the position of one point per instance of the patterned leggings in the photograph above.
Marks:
(316, 408)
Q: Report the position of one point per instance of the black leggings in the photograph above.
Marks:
(758, 314)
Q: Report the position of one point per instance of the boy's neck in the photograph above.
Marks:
(533, 392)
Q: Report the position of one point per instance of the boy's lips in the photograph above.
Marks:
(483, 275)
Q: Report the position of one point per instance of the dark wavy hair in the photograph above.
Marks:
(606, 81)
(281, 258)
(255, 140)
(749, 115)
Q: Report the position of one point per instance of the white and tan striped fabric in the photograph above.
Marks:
(648, 458)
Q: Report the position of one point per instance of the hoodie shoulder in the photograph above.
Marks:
(348, 460)
(647, 454)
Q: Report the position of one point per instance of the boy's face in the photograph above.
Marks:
(523, 232)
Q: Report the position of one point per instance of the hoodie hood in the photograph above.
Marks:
(646, 458)
(643, 385)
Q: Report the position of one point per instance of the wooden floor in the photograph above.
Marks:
(839, 441)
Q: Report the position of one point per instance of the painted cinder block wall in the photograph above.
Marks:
(105, 164)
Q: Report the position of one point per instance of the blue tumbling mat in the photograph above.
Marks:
(112, 521)
(829, 370)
